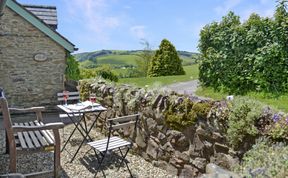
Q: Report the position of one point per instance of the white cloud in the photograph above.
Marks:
(227, 6)
(138, 31)
(94, 16)
(262, 12)
(261, 8)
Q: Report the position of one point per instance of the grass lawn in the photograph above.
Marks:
(277, 102)
(191, 74)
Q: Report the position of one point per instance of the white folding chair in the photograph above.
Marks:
(115, 143)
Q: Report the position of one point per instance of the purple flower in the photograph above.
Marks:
(276, 118)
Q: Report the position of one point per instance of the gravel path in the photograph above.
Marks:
(85, 163)
(188, 87)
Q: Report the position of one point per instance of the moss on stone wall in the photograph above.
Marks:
(185, 113)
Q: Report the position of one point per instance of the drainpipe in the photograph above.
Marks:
(2, 5)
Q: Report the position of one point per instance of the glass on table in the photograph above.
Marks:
(92, 98)
(65, 96)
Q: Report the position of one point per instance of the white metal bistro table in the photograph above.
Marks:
(76, 113)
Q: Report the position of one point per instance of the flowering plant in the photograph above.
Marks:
(279, 130)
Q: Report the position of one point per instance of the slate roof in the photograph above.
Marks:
(35, 20)
(47, 14)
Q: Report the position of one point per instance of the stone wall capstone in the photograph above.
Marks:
(184, 153)
(28, 82)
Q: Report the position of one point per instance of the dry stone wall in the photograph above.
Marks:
(26, 81)
(184, 153)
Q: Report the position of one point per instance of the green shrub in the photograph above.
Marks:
(87, 73)
(103, 71)
(242, 119)
(265, 160)
(250, 56)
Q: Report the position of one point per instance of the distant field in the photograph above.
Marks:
(118, 60)
(191, 74)
(122, 58)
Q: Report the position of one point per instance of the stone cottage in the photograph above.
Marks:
(32, 54)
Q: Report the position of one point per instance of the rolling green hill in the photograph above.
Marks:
(123, 58)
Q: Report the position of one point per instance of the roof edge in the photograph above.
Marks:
(38, 23)
(39, 6)
(2, 6)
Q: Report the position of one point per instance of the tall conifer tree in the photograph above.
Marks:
(165, 61)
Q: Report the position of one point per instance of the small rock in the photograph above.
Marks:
(207, 144)
(198, 143)
(161, 136)
(152, 149)
(188, 171)
(215, 170)
(224, 160)
(156, 101)
(171, 169)
(182, 143)
(176, 162)
(140, 139)
(200, 163)
(208, 150)
(201, 132)
(145, 155)
(168, 147)
(166, 166)
(217, 137)
(155, 139)
(220, 148)
(151, 123)
(183, 156)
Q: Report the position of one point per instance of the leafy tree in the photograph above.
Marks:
(251, 56)
(72, 71)
(146, 56)
(165, 61)
(87, 73)
(103, 71)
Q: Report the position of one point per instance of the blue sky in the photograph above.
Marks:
(121, 24)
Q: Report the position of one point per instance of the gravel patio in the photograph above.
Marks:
(85, 163)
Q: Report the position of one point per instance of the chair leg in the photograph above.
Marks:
(12, 165)
(68, 138)
(100, 161)
(13, 157)
(57, 165)
(123, 160)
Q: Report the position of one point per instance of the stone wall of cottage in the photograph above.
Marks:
(26, 81)
(184, 153)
